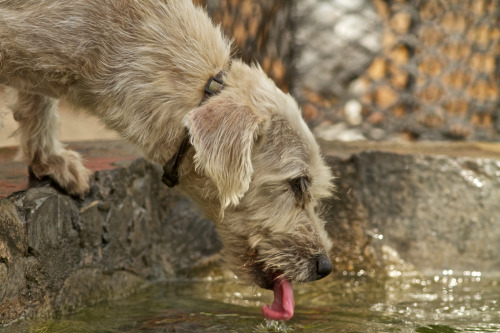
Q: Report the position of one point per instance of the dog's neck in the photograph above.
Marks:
(171, 168)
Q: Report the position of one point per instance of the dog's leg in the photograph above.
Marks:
(38, 120)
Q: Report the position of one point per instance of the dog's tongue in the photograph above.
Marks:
(283, 304)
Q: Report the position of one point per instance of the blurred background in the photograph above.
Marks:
(363, 69)
(378, 69)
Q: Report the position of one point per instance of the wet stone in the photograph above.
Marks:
(91, 231)
(434, 210)
(58, 253)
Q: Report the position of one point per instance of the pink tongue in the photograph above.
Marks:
(283, 304)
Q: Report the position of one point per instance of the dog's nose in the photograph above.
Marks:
(323, 266)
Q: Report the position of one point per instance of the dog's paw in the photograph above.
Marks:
(66, 169)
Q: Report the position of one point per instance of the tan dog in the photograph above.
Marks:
(141, 66)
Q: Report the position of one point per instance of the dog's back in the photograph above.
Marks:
(47, 47)
(137, 65)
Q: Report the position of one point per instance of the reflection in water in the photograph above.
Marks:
(449, 302)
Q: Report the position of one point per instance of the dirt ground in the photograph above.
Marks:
(75, 126)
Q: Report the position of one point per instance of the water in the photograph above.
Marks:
(447, 303)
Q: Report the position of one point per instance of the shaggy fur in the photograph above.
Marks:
(141, 67)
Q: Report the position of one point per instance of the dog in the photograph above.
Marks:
(160, 73)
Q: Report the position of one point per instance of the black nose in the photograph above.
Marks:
(323, 266)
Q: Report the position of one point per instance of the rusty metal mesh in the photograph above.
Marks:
(262, 33)
(437, 76)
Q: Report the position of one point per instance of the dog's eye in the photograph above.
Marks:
(299, 188)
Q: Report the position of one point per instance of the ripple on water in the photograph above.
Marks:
(448, 302)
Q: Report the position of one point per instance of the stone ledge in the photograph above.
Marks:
(58, 254)
(427, 206)
(433, 205)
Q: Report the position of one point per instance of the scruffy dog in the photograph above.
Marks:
(160, 74)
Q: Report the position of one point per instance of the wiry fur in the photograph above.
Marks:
(141, 67)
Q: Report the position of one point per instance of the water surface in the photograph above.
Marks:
(447, 303)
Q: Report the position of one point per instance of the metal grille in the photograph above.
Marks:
(262, 33)
(437, 76)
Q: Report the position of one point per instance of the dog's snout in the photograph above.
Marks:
(323, 266)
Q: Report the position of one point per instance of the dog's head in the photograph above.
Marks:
(259, 174)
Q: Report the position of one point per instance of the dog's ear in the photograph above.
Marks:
(223, 135)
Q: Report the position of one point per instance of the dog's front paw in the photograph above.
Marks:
(66, 169)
